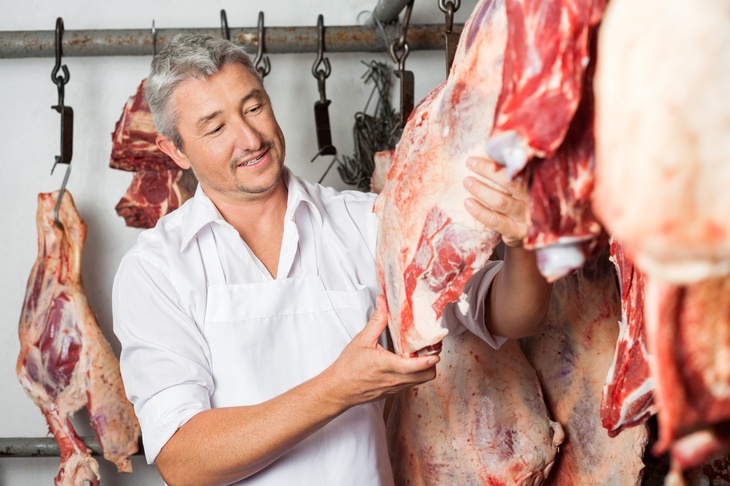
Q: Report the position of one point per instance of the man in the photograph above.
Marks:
(243, 316)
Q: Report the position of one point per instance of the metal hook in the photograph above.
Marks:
(66, 117)
(261, 62)
(407, 82)
(225, 31)
(317, 71)
(321, 110)
(401, 42)
(154, 39)
(451, 39)
(59, 81)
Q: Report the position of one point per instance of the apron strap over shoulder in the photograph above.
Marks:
(211, 260)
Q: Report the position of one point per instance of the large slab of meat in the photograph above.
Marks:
(663, 135)
(481, 421)
(572, 355)
(628, 395)
(428, 244)
(65, 363)
(159, 185)
(688, 330)
(546, 54)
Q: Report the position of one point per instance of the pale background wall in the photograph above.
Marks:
(97, 91)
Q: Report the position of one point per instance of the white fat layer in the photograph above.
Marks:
(463, 304)
(556, 261)
(646, 387)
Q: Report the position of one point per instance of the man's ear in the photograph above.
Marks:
(168, 147)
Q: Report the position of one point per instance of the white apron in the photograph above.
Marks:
(267, 337)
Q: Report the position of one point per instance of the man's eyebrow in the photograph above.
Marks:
(255, 93)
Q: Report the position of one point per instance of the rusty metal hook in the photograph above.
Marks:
(261, 62)
(399, 48)
(451, 39)
(66, 117)
(225, 31)
(317, 70)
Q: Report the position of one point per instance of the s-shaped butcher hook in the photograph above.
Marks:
(399, 50)
(261, 62)
(67, 117)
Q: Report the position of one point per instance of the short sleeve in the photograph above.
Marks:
(470, 311)
(164, 359)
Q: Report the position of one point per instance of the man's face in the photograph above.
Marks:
(230, 136)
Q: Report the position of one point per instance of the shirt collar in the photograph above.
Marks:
(204, 212)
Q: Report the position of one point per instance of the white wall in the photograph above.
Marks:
(97, 91)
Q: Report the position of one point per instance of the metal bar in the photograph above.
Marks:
(279, 40)
(387, 11)
(45, 447)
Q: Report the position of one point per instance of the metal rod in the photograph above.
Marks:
(279, 40)
(45, 447)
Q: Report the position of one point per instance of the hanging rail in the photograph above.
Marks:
(279, 40)
(46, 447)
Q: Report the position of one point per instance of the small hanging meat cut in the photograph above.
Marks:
(628, 396)
(65, 362)
(159, 185)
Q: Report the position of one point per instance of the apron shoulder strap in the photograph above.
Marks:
(211, 259)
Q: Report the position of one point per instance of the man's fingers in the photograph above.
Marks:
(377, 323)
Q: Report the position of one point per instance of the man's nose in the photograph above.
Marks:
(247, 137)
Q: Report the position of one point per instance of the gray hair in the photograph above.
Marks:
(186, 56)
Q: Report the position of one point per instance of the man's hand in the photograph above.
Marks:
(366, 371)
(501, 205)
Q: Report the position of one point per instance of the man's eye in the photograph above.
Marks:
(255, 109)
(215, 130)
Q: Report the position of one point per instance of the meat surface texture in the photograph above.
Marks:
(688, 329)
(545, 58)
(65, 362)
(481, 421)
(572, 355)
(159, 185)
(628, 396)
(428, 244)
(663, 148)
(563, 231)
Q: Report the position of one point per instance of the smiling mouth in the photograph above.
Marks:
(253, 161)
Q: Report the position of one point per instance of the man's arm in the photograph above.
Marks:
(220, 446)
(519, 297)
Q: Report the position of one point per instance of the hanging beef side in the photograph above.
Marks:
(159, 185)
(65, 363)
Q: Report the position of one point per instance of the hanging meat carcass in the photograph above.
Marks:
(663, 135)
(159, 185)
(663, 146)
(572, 355)
(428, 244)
(628, 395)
(481, 421)
(65, 362)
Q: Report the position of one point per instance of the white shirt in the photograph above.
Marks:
(159, 294)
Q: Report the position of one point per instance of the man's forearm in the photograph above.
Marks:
(220, 446)
(519, 297)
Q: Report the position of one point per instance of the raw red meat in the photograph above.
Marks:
(159, 185)
(572, 354)
(64, 361)
(153, 194)
(688, 329)
(545, 57)
(563, 230)
(481, 421)
(428, 244)
(628, 396)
